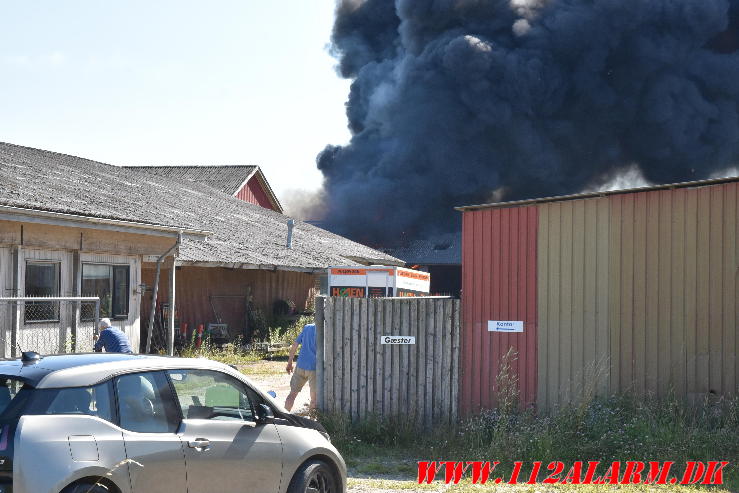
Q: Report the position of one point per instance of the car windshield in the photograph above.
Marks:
(14, 394)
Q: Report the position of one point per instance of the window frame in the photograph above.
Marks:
(114, 315)
(50, 395)
(54, 304)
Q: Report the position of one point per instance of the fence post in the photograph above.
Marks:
(97, 316)
(320, 352)
(16, 309)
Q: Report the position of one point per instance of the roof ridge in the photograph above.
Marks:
(10, 144)
(190, 166)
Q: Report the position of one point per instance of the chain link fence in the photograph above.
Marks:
(48, 325)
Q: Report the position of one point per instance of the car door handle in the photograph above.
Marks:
(199, 443)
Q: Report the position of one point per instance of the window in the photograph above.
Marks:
(13, 397)
(206, 394)
(111, 284)
(42, 279)
(92, 401)
(146, 404)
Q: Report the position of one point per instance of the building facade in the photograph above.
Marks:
(628, 291)
(50, 255)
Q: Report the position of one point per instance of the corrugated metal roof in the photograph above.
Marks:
(515, 203)
(228, 179)
(244, 234)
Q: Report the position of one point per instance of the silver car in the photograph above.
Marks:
(102, 423)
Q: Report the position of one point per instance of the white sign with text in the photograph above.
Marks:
(397, 340)
(505, 325)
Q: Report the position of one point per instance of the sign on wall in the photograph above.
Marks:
(505, 325)
(397, 340)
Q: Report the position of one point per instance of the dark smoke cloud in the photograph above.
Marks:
(456, 100)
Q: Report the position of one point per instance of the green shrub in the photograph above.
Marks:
(286, 335)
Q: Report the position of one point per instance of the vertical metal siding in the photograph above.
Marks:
(499, 283)
(679, 325)
(639, 291)
(573, 338)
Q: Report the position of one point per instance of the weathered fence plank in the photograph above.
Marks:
(328, 349)
(379, 362)
(356, 363)
(371, 341)
(456, 324)
(421, 361)
(347, 352)
(320, 347)
(338, 355)
(403, 324)
(445, 358)
(412, 366)
(387, 398)
(430, 343)
(395, 356)
(363, 364)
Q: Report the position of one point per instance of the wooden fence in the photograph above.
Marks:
(358, 375)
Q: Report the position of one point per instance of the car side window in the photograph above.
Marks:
(146, 403)
(205, 394)
(92, 401)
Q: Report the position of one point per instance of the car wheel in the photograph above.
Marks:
(86, 488)
(314, 477)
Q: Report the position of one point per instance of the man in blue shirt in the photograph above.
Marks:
(112, 339)
(306, 367)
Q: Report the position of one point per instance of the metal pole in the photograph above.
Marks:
(153, 311)
(172, 308)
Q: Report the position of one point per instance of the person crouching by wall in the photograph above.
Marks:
(112, 339)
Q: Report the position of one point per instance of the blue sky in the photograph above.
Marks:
(174, 82)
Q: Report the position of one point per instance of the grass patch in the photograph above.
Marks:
(621, 428)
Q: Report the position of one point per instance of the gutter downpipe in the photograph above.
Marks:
(153, 311)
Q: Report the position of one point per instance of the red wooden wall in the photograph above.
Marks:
(195, 286)
(498, 283)
(254, 193)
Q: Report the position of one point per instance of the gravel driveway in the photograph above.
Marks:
(271, 375)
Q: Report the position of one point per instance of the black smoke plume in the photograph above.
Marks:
(456, 102)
